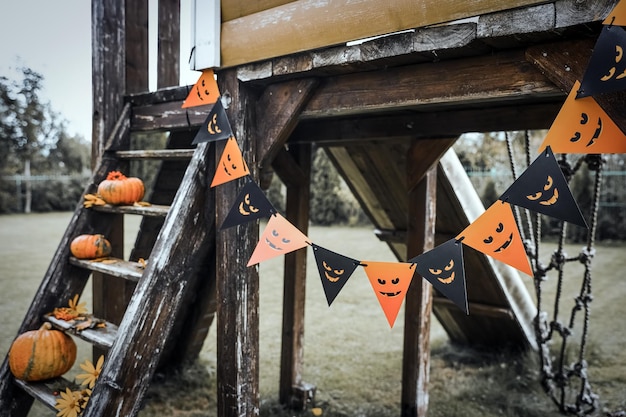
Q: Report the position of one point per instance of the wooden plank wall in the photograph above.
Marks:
(253, 32)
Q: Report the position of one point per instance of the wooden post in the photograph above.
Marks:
(121, 28)
(291, 391)
(168, 60)
(237, 284)
(418, 304)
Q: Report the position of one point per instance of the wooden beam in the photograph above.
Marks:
(503, 78)
(308, 24)
(435, 124)
(237, 284)
(278, 111)
(418, 302)
(292, 350)
(168, 45)
(565, 63)
(232, 9)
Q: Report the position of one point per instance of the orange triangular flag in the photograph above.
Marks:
(582, 126)
(495, 233)
(231, 165)
(280, 237)
(617, 15)
(204, 91)
(390, 281)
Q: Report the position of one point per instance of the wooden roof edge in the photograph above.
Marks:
(496, 30)
(515, 291)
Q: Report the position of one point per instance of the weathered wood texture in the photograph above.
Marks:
(164, 286)
(168, 44)
(237, 284)
(308, 24)
(422, 208)
(294, 294)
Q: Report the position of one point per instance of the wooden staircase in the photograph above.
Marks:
(176, 237)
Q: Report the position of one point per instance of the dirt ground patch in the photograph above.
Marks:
(351, 355)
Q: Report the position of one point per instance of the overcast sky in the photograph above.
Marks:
(53, 37)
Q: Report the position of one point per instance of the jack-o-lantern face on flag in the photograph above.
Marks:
(334, 269)
(215, 127)
(279, 238)
(582, 126)
(250, 204)
(443, 268)
(390, 282)
(495, 233)
(204, 91)
(231, 165)
(606, 70)
(542, 188)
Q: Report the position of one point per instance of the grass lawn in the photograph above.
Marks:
(351, 355)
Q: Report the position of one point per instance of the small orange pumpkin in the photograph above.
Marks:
(90, 246)
(41, 354)
(119, 189)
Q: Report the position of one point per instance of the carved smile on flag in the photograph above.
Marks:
(444, 280)
(619, 53)
(383, 284)
(212, 126)
(584, 119)
(546, 188)
(490, 239)
(328, 271)
(245, 208)
(229, 162)
(273, 245)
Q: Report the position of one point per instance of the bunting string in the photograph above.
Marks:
(581, 127)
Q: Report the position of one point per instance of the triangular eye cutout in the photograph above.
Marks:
(606, 71)
(617, 15)
(390, 282)
(279, 238)
(203, 92)
(231, 165)
(215, 127)
(444, 268)
(334, 269)
(542, 188)
(495, 233)
(583, 127)
(250, 204)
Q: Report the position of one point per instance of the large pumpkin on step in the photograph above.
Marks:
(90, 246)
(41, 354)
(118, 189)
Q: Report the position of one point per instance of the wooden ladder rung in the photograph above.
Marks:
(153, 210)
(156, 154)
(120, 268)
(102, 337)
(44, 391)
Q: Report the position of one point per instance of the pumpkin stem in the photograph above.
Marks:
(115, 176)
(46, 326)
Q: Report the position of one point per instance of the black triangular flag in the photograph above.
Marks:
(542, 187)
(443, 267)
(606, 70)
(334, 269)
(215, 127)
(250, 204)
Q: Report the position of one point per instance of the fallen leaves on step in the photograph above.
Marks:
(141, 204)
(93, 200)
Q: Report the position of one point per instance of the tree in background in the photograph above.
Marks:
(34, 141)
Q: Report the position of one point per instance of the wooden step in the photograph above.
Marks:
(152, 210)
(156, 154)
(44, 391)
(102, 337)
(131, 271)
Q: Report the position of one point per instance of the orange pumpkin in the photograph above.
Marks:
(90, 246)
(41, 354)
(119, 189)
